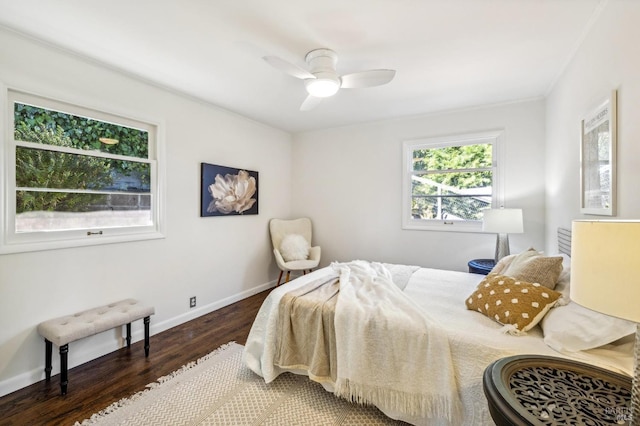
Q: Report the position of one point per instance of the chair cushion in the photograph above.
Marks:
(63, 330)
(294, 247)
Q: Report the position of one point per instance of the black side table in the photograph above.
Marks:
(481, 266)
(544, 390)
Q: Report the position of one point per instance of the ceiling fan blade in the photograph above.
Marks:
(288, 67)
(367, 79)
(310, 103)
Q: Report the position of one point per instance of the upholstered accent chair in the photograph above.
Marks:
(292, 248)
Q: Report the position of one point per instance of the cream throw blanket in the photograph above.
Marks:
(306, 338)
(384, 342)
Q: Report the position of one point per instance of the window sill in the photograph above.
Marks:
(24, 247)
(442, 226)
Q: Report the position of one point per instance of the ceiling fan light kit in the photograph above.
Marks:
(322, 80)
(322, 63)
(322, 87)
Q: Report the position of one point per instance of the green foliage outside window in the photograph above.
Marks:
(456, 157)
(37, 168)
(43, 168)
(83, 133)
(450, 180)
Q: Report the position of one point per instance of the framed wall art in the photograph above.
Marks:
(598, 159)
(227, 191)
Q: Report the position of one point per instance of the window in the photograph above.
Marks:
(449, 181)
(76, 176)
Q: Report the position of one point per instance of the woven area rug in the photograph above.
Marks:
(219, 390)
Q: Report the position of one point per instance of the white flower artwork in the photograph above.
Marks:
(228, 191)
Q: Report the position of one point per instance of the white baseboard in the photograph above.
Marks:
(203, 310)
(107, 346)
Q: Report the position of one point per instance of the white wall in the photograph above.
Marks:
(218, 259)
(607, 59)
(349, 181)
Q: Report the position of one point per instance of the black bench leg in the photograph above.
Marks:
(147, 320)
(48, 350)
(64, 379)
(128, 335)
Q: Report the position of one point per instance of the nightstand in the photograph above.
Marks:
(481, 266)
(544, 390)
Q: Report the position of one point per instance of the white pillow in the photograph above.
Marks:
(503, 264)
(294, 247)
(575, 328)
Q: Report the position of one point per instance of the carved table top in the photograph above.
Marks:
(542, 390)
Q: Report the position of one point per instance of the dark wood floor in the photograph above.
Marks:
(98, 383)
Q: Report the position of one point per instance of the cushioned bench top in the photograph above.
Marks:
(63, 330)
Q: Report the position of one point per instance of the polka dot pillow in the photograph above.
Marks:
(517, 304)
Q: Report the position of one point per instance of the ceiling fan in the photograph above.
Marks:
(322, 80)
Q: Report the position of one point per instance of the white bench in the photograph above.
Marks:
(67, 329)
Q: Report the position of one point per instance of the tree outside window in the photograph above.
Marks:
(452, 183)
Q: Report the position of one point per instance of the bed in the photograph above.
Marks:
(410, 341)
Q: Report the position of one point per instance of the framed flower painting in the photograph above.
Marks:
(227, 191)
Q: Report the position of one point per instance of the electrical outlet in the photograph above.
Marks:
(192, 302)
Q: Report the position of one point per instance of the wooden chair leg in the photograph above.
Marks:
(279, 278)
(288, 275)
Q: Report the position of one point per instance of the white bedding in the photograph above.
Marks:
(474, 340)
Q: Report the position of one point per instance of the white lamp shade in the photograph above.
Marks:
(502, 221)
(604, 270)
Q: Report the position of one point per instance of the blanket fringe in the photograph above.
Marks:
(417, 405)
(126, 401)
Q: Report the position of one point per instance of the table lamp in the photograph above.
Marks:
(503, 222)
(604, 278)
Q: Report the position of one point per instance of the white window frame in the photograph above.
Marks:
(493, 137)
(16, 242)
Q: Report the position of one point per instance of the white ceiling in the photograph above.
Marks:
(449, 54)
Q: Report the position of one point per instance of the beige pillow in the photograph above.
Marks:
(502, 264)
(532, 267)
(508, 301)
